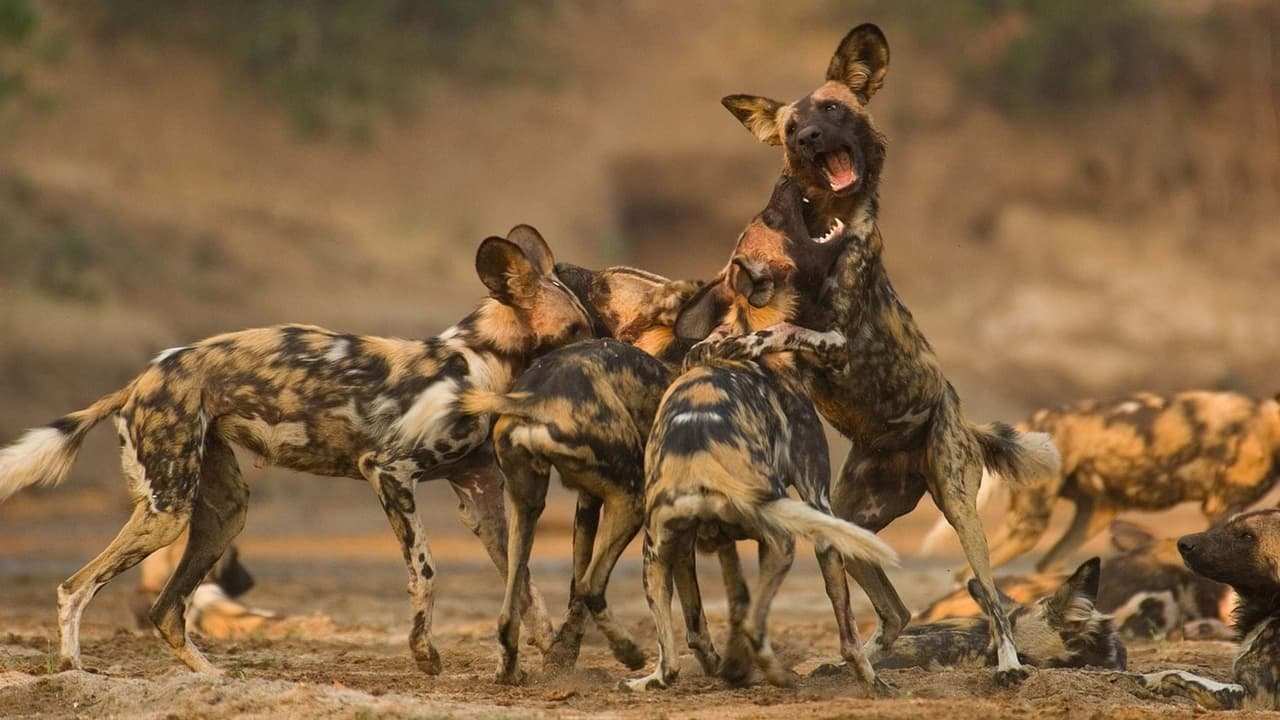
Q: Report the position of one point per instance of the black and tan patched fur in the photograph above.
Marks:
(384, 410)
(1061, 630)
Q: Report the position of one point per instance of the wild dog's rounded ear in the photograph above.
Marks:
(1128, 537)
(1083, 584)
(703, 313)
(861, 61)
(535, 248)
(758, 114)
(752, 283)
(502, 265)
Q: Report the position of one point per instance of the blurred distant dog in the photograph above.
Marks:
(1062, 630)
(312, 400)
(1148, 591)
(1144, 452)
(866, 364)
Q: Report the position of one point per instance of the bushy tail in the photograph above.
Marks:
(797, 518)
(43, 455)
(1008, 456)
(483, 402)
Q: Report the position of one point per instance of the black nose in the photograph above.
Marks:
(1186, 545)
(809, 135)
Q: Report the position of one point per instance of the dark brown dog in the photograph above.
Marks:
(871, 372)
(1061, 629)
(309, 399)
(1143, 453)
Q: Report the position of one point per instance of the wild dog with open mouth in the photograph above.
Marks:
(728, 440)
(1245, 554)
(1062, 630)
(1143, 453)
(587, 411)
(312, 400)
(215, 609)
(872, 373)
(1149, 592)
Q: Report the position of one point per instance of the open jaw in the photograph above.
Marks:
(838, 168)
(837, 227)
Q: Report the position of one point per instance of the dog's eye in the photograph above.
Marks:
(791, 129)
(831, 108)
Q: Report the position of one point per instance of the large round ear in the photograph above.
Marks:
(703, 313)
(1128, 537)
(752, 283)
(757, 114)
(1082, 585)
(861, 61)
(503, 267)
(535, 248)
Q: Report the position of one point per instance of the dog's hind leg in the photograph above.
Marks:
(621, 518)
(696, 633)
(526, 493)
(481, 510)
(568, 639)
(955, 487)
(660, 546)
(217, 516)
(833, 568)
(776, 556)
(1090, 519)
(394, 487)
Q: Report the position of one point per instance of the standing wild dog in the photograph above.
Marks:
(871, 372)
(728, 440)
(1061, 630)
(1147, 453)
(587, 410)
(1149, 592)
(309, 399)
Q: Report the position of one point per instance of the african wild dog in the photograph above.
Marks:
(1147, 453)
(1062, 630)
(1244, 553)
(1149, 592)
(728, 440)
(587, 411)
(871, 371)
(309, 399)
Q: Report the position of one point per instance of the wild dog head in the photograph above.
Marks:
(532, 310)
(1244, 553)
(1065, 629)
(777, 272)
(830, 144)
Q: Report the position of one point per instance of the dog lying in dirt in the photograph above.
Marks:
(587, 411)
(1064, 629)
(312, 400)
(1142, 453)
(215, 610)
(870, 370)
(728, 440)
(1148, 592)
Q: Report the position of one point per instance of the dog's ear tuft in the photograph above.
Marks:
(504, 268)
(535, 248)
(703, 313)
(1075, 598)
(861, 61)
(758, 114)
(752, 283)
(1129, 537)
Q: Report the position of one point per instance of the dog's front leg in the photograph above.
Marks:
(783, 337)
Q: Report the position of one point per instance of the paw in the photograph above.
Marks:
(644, 684)
(629, 654)
(781, 678)
(512, 676)
(1013, 676)
(736, 670)
(69, 663)
(428, 661)
(882, 688)
(563, 655)
(709, 660)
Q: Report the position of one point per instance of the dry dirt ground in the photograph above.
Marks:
(343, 652)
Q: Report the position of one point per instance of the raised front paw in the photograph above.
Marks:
(1010, 677)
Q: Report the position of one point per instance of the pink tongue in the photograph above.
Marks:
(840, 170)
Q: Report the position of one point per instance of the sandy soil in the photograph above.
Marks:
(343, 650)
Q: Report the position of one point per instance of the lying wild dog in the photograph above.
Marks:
(215, 610)
(871, 371)
(1143, 453)
(728, 440)
(1149, 592)
(309, 399)
(587, 410)
(1062, 630)
(1245, 554)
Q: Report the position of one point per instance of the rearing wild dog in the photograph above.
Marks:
(871, 372)
(310, 399)
(728, 440)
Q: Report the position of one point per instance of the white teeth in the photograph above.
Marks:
(836, 228)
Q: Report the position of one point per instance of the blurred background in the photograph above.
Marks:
(1080, 198)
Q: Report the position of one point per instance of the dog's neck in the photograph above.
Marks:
(1256, 607)
(494, 333)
